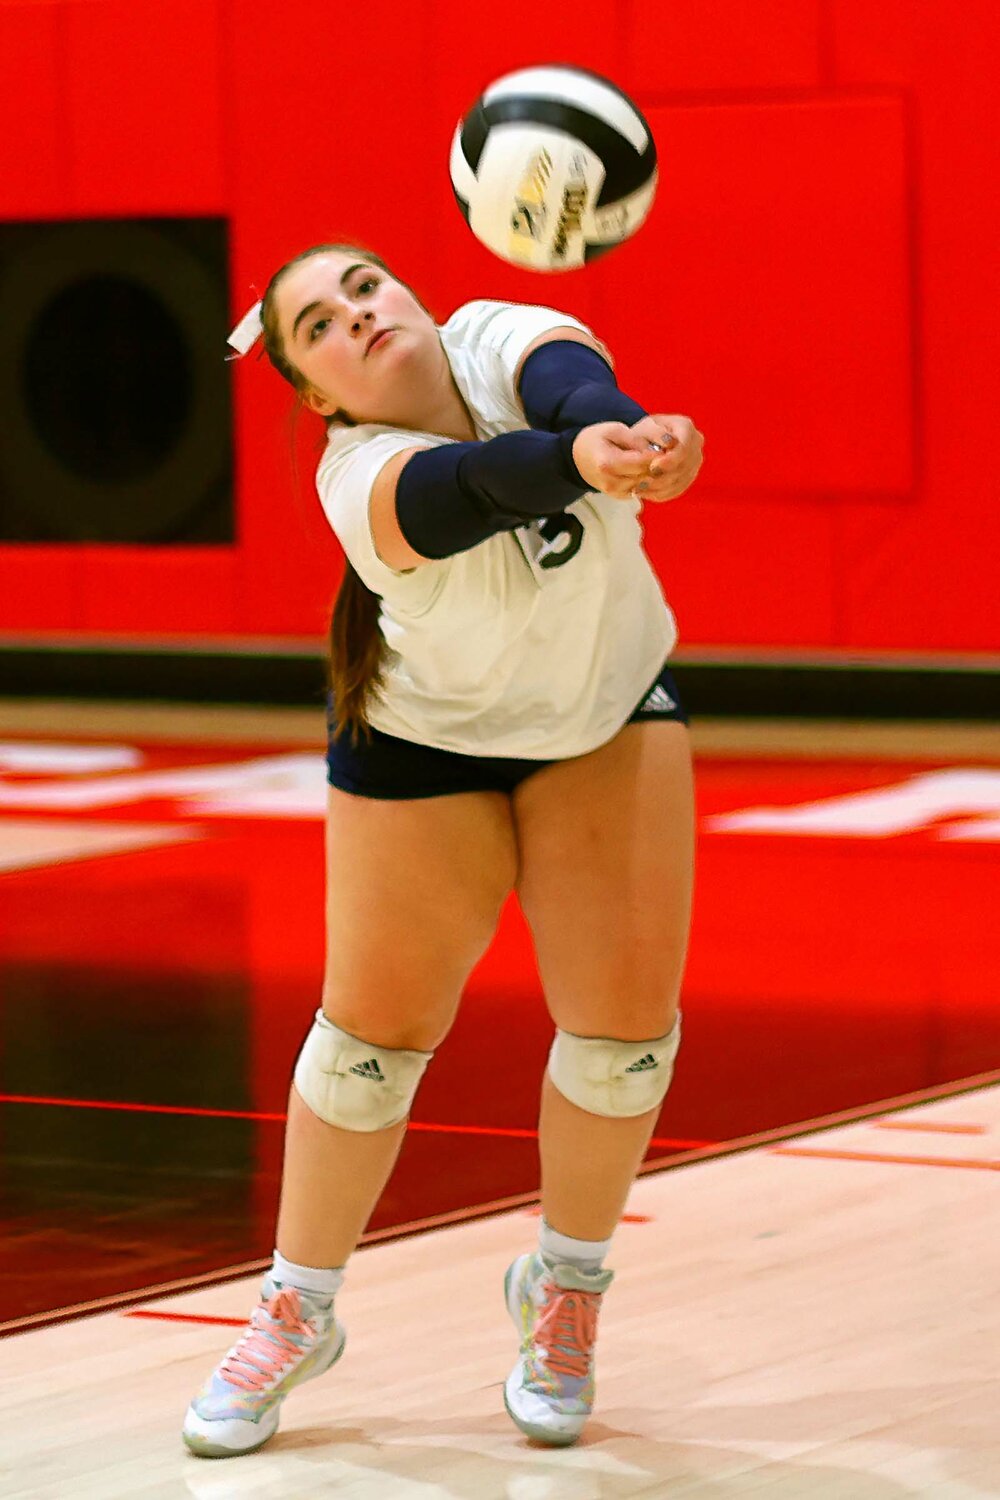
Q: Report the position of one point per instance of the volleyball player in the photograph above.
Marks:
(501, 718)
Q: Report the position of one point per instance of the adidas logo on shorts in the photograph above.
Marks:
(643, 1065)
(369, 1070)
(659, 701)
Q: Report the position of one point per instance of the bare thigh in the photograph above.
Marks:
(606, 876)
(414, 892)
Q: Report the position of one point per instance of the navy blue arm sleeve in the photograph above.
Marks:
(568, 385)
(453, 497)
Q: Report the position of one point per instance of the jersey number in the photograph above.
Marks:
(563, 539)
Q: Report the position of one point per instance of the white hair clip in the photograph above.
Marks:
(246, 333)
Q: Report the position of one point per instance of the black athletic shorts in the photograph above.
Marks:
(392, 768)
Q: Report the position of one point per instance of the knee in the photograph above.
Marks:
(635, 1014)
(619, 1079)
(646, 1006)
(420, 1026)
(660, 1020)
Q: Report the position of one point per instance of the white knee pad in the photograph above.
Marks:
(354, 1084)
(607, 1077)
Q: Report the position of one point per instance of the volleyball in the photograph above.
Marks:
(552, 167)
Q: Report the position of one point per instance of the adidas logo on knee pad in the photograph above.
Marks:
(369, 1070)
(332, 1066)
(603, 1075)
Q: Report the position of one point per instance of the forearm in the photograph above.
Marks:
(453, 497)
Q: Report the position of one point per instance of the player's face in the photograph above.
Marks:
(349, 328)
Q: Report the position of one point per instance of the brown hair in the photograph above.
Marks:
(357, 648)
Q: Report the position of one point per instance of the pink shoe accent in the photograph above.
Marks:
(264, 1350)
(567, 1328)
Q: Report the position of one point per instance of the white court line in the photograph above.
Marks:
(32, 843)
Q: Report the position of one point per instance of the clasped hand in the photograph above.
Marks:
(655, 459)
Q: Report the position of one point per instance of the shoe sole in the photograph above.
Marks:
(539, 1434)
(205, 1447)
(546, 1435)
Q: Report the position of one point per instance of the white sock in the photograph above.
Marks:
(307, 1278)
(561, 1249)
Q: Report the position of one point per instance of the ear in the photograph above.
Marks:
(319, 404)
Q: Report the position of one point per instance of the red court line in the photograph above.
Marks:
(932, 1129)
(536, 1213)
(677, 1143)
(906, 1161)
(145, 1109)
(532, 1135)
(165, 1317)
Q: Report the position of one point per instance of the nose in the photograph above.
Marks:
(361, 321)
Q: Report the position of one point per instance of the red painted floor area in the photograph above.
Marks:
(844, 950)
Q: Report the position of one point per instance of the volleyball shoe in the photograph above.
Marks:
(292, 1336)
(549, 1393)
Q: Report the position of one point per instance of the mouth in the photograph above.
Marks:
(378, 339)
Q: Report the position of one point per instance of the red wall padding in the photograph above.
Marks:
(816, 284)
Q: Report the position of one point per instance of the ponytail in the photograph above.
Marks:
(357, 656)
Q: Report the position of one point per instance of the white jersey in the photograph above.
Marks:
(510, 648)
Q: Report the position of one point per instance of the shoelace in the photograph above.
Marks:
(567, 1326)
(264, 1349)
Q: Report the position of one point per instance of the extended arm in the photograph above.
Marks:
(450, 498)
(435, 502)
(430, 503)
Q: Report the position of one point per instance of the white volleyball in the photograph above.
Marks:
(553, 166)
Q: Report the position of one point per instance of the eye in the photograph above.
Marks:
(320, 323)
(370, 281)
